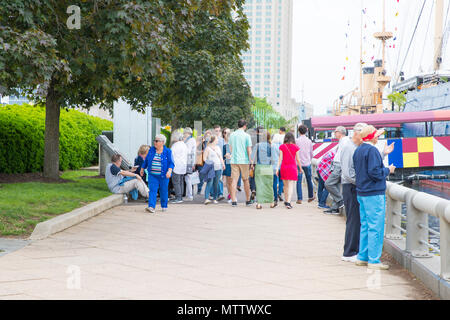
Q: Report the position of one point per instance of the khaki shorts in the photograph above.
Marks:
(243, 169)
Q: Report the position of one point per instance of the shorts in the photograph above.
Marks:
(243, 169)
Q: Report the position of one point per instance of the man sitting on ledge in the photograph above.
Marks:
(117, 183)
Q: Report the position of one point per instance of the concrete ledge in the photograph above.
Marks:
(67, 220)
(425, 269)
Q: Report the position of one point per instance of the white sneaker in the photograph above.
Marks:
(349, 259)
(189, 199)
(229, 201)
(215, 202)
(207, 201)
(151, 210)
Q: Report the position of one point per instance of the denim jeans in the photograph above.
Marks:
(372, 211)
(277, 187)
(220, 187)
(322, 193)
(212, 187)
(307, 171)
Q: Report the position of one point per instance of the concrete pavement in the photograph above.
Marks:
(195, 251)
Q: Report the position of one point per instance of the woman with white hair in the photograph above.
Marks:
(159, 164)
(180, 154)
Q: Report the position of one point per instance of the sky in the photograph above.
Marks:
(326, 32)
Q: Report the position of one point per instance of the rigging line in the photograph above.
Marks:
(402, 39)
(412, 38)
(426, 34)
(445, 26)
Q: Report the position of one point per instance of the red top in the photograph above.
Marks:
(288, 168)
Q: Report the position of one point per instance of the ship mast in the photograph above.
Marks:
(438, 34)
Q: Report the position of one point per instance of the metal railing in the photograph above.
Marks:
(419, 206)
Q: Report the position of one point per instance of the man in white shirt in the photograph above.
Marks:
(333, 183)
(180, 155)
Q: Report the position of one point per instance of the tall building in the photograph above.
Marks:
(268, 61)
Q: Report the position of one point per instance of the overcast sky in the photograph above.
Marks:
(319, 44)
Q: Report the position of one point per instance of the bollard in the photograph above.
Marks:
(103, 159)
(414, 233)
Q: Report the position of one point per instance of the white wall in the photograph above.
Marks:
(131, 129)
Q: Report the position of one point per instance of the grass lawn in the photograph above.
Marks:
(23, 205)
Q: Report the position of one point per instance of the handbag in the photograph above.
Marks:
(251, 172)
(195, 178)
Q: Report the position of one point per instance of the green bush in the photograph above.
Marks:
(22, 138)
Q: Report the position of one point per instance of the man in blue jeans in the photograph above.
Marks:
(306, 155)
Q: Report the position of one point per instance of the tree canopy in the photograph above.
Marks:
(123, 49)
(208, 73)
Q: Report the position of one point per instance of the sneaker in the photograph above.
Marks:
(323, 207)
(177, 201)
(334, 212)
(207, 201)
(189, 199)
(151, 210)
(248, 203)
(215, 202)
(239, 189)
(312, 199)
(341, 205)
(164, 209)
(349, 259)
(234, 204)
(229, 201)
(361, 263)
(299, 202)
(378, 266)
(221, 198)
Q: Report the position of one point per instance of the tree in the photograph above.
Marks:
(266, 116)
(202, 68)
(120, 49)
(398, 99)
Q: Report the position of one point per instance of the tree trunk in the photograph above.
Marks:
(51, 143)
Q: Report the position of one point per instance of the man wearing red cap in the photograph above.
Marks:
(371, 194)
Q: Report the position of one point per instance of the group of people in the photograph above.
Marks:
(355, 177)
(269, 167)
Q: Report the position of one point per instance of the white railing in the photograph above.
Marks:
(419, 206)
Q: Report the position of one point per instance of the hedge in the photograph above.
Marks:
(22, 138)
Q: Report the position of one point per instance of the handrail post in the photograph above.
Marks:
(414, 233)
(444, 226)
(393, 217)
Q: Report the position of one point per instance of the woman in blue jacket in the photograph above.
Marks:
(159, 165)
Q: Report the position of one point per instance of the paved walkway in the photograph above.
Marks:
(199, 252)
